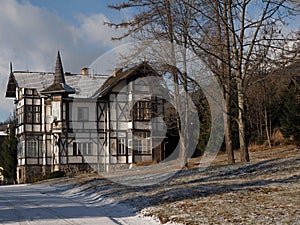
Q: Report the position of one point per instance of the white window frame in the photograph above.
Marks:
(32, 148)
(83, 148)
(142, 143)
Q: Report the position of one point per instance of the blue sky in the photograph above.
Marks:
(70, 9)
(33, 30)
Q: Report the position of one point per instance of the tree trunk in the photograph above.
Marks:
(228, 138)
(182, 134)
(241, 123)
(267, 128)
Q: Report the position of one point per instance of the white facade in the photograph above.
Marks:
(81, 122)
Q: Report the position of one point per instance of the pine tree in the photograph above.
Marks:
(290, 116)
(8, 157)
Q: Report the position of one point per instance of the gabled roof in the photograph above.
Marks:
(76, 85)
(84, 86)
(11, 85)
(141, 70)
(59, 84)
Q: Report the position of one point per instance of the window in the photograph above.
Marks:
(113, 146)
(86, 148)
(33, 114)
(31, 92)
(21, 149)
(32, 148)
(83, 113)
(75, 149)
(142, 143)
(80, 148)
(36, 114)
(29, 115)
(129, 146)
(121, 146)
(28, 92)
(20, 94)
(143, 110)
(20, 115)
(56, 110)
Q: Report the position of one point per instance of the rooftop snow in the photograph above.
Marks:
(85, 86)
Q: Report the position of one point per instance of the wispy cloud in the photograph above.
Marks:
(30, 37)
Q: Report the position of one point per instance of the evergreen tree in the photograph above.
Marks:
(8, 156)
(290, 115)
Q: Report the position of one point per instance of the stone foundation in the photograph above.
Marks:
(28, 174)
(110, 167)
(32, 173)
(72, 169)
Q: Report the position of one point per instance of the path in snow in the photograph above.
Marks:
(43, 204)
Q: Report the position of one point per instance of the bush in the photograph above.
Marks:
(56, 174)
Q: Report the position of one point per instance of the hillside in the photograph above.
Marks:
(264, 191)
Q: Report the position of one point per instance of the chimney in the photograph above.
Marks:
(117, 71)
(85, 71)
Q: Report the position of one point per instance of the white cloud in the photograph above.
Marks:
(30, 37)
(93, 28)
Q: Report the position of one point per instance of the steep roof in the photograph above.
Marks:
(76, 85)
(59, 76)
(142, 70)
(83, 85)
(59, 84)
(11, 85)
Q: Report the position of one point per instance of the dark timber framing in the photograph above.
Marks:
(115, 126)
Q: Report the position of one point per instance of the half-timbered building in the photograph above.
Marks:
(84, 122)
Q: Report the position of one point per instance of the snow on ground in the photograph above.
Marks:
(44, 204)
(264, 191)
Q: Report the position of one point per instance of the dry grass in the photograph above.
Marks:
(268, 193)
(264, 191)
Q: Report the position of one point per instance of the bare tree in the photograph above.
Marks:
(233, 37)
(245, 27)
(158, 20)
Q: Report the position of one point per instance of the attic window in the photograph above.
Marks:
(28, 92)
(31, 92)
(83, 113)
